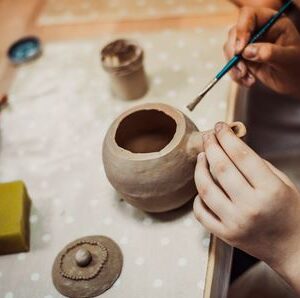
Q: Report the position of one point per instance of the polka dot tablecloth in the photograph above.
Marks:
(51, 136)
(70, 11)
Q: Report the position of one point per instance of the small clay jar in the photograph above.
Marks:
(123, 60)
(149, 156)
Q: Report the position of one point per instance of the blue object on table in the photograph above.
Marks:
(24, 50)
(235, 59)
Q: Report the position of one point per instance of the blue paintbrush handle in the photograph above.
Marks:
(234, 60)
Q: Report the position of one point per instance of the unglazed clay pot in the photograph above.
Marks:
(123, 60)
(149, 156)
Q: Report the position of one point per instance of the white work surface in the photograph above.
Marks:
(51, 136)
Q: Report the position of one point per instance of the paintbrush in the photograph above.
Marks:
(235, 59)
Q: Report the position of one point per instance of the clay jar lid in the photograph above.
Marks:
(122, 57)
(87, 267)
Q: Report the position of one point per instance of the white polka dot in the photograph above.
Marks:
(222, 105)
(205, 242)
(9, 295)
(94, 203)
(191, 80)
(147, 221)
(201, 284)
(157, 283)
(69, 219)
(33, 218)
(195, 54)
(140, 3)
(107, 221)
(162, 56)
(139, 261)
(148, 45)
(66, 167)
(31, 125)
(44, 184)
(176, 67)
(35, 276)
(124, 240)
(21, 152)
(182, 262)
(21, 256)
(202, 121)
(181, 44)
(151, 11)
(57, 202)
(46, 238)
(157, 80)
(164, 241)
(188, 222)
(213, 41)
(181, 9)
(211, 8)
(123, 13)
(209, 65)
(198, 30)
(171, 93)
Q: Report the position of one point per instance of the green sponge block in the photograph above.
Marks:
(14, 218)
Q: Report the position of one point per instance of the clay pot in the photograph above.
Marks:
(123, 60)
(149, 156)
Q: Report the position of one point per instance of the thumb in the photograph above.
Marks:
(265, 53)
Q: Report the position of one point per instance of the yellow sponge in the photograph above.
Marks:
(14, 217)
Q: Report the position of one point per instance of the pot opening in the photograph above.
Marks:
(145, 131)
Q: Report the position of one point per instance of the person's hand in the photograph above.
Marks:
(248, 203)
(275, 60)
(275, 4)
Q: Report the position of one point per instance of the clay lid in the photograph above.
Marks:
(87, 267)
(122, 56)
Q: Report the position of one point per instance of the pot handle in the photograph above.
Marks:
(195, 141)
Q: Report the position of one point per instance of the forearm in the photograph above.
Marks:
(289, 267)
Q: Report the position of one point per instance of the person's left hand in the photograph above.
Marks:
(247, 202)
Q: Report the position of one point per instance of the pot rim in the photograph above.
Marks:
(170, 111)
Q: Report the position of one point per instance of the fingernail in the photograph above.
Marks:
(205, 136)
(242, 68)
(218, 126)
(250, 52)
(201, 156)
(250, 79)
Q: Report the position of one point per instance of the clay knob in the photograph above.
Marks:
(83, 257)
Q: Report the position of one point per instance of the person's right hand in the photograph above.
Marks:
(275, 60)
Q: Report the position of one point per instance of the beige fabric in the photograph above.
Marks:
(72, 11)
(260, 282)
(51, 136)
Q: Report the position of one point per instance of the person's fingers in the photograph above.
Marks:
(281, 175)
(265, 53)
(209, 221)
(252, 19)
(240, 70)
(254, 169)
(210, 192)
(229, 53)
(248, 80)
(225, 172)
(245, 26)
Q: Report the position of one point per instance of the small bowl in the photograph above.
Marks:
(24, 50)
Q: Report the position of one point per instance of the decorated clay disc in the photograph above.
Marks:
(87, 267)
